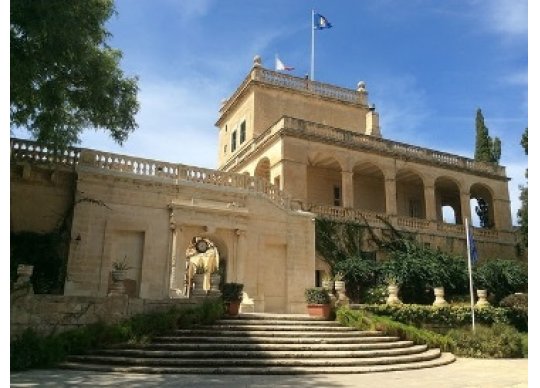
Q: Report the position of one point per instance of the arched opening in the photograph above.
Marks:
(263, 169)
(368, 188)
(410, 194)
(202, 258)
(324, 182)
(448, 201)
(482, 212)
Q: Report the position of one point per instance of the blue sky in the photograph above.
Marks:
(428, 66)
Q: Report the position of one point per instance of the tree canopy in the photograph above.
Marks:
(64, 78)
(523, 212)
(487, 149)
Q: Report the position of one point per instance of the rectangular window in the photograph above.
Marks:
(233, 141)
(243, 132)
(337, 196)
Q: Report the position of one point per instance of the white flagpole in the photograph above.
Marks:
(312, 45)
(470, 270)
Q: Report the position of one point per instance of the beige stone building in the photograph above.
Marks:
(290, 149)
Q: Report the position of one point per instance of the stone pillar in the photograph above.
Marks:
(390, 194)
(174, 292)
(502, 214)
(347, 189)
(294, 179)
(429, 199)
(465, 202)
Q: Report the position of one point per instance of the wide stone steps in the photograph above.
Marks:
(265, 344)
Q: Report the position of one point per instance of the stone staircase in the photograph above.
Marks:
(265, 344)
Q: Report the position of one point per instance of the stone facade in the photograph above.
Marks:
(289, 149)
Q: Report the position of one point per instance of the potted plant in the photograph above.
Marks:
(318, 302)
(439, 297)
(119, 269)
(339, 282)
(232, 297)
(118, 274)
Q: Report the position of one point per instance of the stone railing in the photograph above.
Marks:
(27, 150)
(400, 222)
(23, 150)
(306, 85)
(270, 77)
(311, 130)
(174, 172)
(346, 214)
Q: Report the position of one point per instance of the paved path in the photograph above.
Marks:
(464, 373)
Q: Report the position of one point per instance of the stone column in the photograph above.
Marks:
(390, 194)
(502, 214)
(429, 199)
(465, 202)
(347, 189)
(239, 256)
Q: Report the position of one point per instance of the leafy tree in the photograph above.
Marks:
(523, 213)
(64, 78)
(486, 149)
(501, 278)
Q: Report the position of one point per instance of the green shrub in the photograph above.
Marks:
(363, 320)
(519, 313)
(317, 295)
(420, 315)
(359, 273)
(232, 292)
(418, 269)
(501, 278)
(30, 350)
(376, 294)
(497, 341)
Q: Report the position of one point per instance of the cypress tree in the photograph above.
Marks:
(486, 148)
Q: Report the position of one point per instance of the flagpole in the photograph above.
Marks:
(312, 45)
(470, 270)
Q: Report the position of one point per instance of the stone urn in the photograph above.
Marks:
(393, 290)
(328, 285)
(339, 285)
(198, 284)
(215, 280)
(118, 276)
(482, 298)
(439, 297)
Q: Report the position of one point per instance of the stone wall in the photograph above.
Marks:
(46, 314)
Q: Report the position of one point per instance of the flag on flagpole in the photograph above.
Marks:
(472, 247)
(280, 66)
(320, 22)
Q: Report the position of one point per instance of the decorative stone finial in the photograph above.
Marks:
(257, 61)
(361, 87)
(223, 102)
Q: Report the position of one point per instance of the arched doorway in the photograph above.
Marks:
(410, 194)
(202, 257)
(448, 201)
(368, 186)
(324, 181)
(263, 169)
(482, 212)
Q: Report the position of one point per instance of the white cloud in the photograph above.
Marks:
(507, 17)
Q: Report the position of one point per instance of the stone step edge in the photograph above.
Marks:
(275, 328)
(444, 359)
(272, 333)
(238, 362)
(272, 340)
(274, 322)
(264, 346)
(221, 354)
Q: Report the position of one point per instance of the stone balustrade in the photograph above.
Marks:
(311, 130)
(416, 224)
(27, 150)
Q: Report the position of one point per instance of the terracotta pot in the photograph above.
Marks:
(319, 310)
(233, 307)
